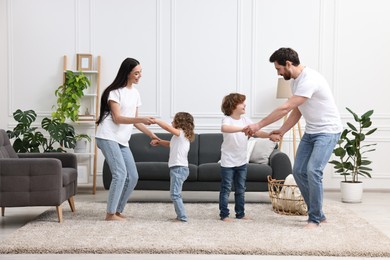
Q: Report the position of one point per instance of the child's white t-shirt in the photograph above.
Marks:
(129, 100)
(234, 145)
(178, 153)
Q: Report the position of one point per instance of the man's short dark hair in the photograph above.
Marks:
(285, 54)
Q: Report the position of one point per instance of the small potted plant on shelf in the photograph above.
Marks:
(351, 151)
(81, 143)
(69, 95)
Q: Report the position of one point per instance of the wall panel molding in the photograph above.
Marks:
(173, 70)
(10, 57)
(254, 68)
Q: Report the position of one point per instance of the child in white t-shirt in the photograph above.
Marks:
(182, 129)
(234, 154)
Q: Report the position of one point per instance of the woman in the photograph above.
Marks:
(118, 114)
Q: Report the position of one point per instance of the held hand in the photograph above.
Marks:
(154, 142)
(147, 120)
(250, 130)
(276, 132)
(275, 137)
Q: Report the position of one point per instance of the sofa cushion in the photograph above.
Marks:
(69, 175)
(160, 171)
(143, 152)
(258, 172)
(209, 172)
(262, 149)
(212, 172)
(210, 148)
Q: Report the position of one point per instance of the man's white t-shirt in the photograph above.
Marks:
(129, 100)
(234, 145)
(319, 110)
(178, 150)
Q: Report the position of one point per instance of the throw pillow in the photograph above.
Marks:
(262, 149)
(251, 144)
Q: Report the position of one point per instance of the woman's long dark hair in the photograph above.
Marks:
(120, 81)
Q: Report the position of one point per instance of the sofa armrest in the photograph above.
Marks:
(280, 164)
(68, 160)
(30, 174)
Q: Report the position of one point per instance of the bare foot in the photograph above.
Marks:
(110, 217)
(120, 215)
(311, 225)
(324, 221)
(227, 219)
(178, 220)
(245, 218)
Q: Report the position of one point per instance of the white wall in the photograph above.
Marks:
(194, 52)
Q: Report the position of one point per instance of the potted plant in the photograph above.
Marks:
(69, 95)
(351, 153)
(27, 139)
(81, 143)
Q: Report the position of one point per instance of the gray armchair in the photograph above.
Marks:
(36, 179)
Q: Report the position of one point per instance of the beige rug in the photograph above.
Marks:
(148, 229)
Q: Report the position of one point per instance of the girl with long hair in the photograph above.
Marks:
(182, 130)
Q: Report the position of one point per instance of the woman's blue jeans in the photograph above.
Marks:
(178, 175)
(124, 173)
(230, 175)
(312, 155)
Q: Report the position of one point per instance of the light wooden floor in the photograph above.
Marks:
(375, 208)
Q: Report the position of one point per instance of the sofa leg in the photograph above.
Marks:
(2, 211)
(71, 204)
(59, 213)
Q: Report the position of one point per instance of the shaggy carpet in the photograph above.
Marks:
(149, 229)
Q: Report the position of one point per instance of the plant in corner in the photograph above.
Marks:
(28, 139)
(69, 95)
(351, 153)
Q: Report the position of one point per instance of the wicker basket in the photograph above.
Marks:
(286, 199)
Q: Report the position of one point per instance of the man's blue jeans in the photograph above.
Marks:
(230, 175)
(312, 155)
(178, 175)
(124, 173)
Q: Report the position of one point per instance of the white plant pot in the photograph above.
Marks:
(351, 192)
(81, 146)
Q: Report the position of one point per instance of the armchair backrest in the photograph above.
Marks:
(6, 149)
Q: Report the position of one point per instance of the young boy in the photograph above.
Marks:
(234, 154)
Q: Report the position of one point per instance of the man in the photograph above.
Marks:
(312, 99)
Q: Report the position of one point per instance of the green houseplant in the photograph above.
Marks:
(69, 95)
(28, 139)
(351, 151)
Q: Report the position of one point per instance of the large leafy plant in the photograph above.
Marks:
(69, 95)
(350, 149)
(28, 139)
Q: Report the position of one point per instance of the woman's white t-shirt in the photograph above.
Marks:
(129, 100)
(178, 150)
(234, 145)
(319, 110)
